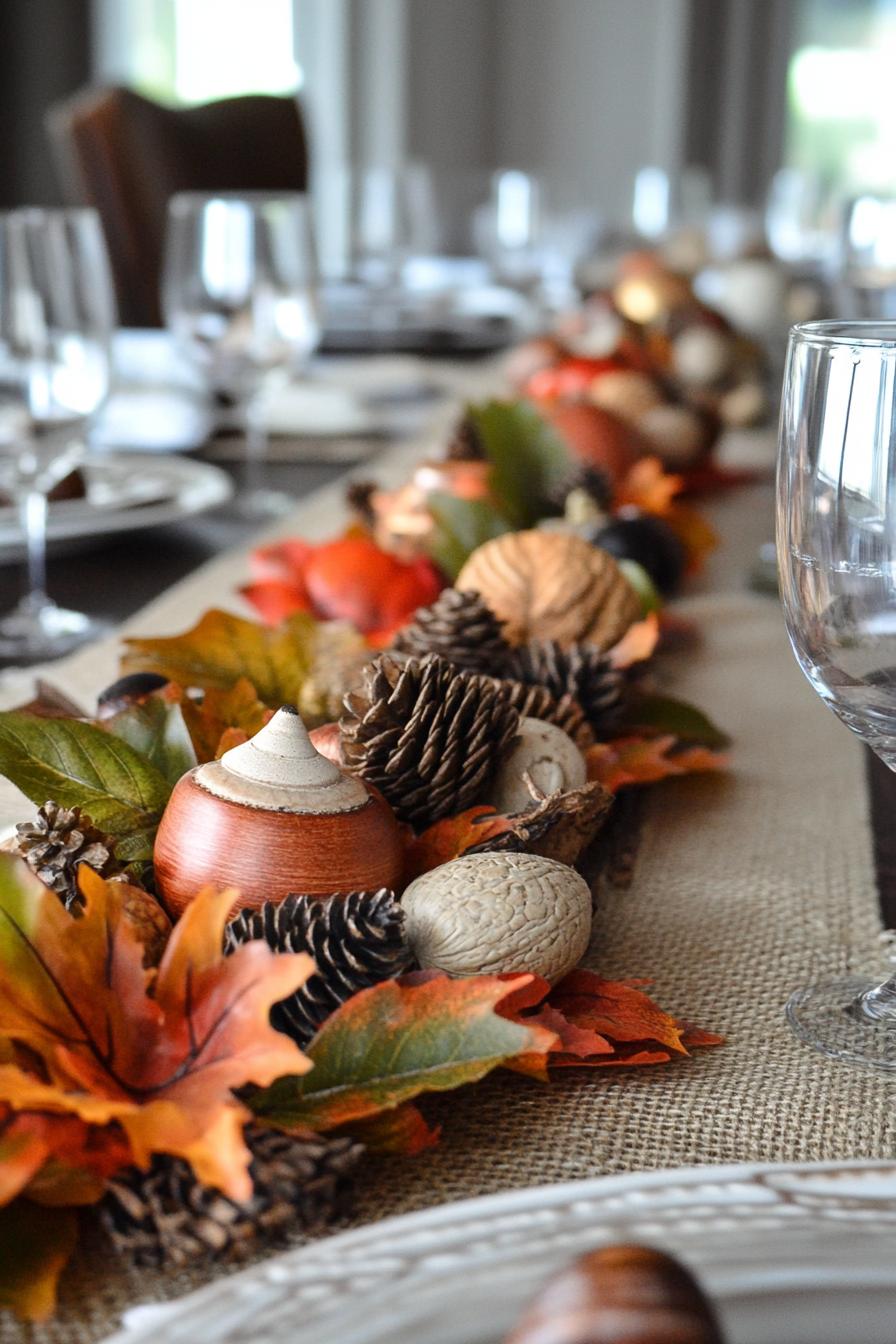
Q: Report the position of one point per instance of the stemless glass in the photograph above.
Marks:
(57, 315)
(239, 293)
(837, 559)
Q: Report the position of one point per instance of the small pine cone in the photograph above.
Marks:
(356, 941)
(580, 671)
(592, 481)
(460, 628)
(57, 842)
(466, 443)
(536, 702)
(164, 1216)
(359, 498)
(427, 736)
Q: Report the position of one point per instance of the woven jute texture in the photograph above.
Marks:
(746, 886)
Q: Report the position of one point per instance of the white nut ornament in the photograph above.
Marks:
(543, 754)
(484, 914)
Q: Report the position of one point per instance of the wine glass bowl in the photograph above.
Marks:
(836, 549)
(239, 294)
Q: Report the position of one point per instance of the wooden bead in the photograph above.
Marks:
(620, 1295)
(273, 817)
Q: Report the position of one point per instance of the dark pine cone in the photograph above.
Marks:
(164, 1216)
(596, 484)
(57, 842)
(358, 497)
(580, 671)
(356, 941)
(536, 702)
(466, 443)
(460, 628)
(427, 736)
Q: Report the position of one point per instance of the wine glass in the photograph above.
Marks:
(57, 315)
(239, 293)
(837, 561)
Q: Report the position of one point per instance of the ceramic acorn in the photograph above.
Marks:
(271, 817)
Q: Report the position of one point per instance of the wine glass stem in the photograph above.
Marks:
(32, 507)
(878, 1004)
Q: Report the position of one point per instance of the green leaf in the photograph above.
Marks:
(461, 526)
(528, 458)
(643, 585)
(156, 730)
(79, 765)
(222, 647)
(35, 1246)
(389, 1043)
(663, 714)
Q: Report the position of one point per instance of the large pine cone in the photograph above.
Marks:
(427, 736)
(460, 628)
(580, 671)
(552, 585)
(57, 842)
(537, 702)
(164, 1216)
(356, 941)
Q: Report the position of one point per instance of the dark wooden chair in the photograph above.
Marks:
(127, 155)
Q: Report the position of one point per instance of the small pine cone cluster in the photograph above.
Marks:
(427, 736)
(164, 1216)
(536, 702)
(465, 444)
(460, 628)
(356, 941)
(57, 842)
(580, 671)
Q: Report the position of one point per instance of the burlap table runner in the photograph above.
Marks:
(746, 886)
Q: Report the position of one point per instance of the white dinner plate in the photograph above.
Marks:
(790, 1255)
(126, 492)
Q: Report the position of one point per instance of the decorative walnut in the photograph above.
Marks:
(497, 912)
(552, 585)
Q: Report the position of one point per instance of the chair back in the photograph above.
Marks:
(127, 156)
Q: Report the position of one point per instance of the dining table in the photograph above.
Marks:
(742, 885)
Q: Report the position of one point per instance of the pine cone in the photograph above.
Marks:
(355, 941)
(580, 671)
(592, 481)
(427, 736)
(57, 842)
(536, 702)
(460, 628)
(164, 1216)
(466, 443)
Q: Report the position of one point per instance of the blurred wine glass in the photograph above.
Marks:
(57, 315)
(239, 294)
(837, 561)
(867, 278)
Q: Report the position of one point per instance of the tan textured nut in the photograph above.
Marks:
(544, 754)
(552, 585)
(497, 912)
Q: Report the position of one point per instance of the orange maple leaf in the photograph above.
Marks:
(646, 760)
(452, 836)
(162, 1065)
(637, 644)
(649, 487)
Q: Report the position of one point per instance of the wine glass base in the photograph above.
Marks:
(826, 1017)
(32, 636)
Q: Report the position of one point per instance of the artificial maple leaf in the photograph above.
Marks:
(402, 1131)
(637, 644)
(237, 708)
(648, 487)
(645, 760)
(56, 1159)
(452, 836)
(695, 534)
(221, 649)
(163, 1067)
(348, 579)
(390, 1043)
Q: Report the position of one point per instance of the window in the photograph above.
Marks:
(841, 121)
(193, 51)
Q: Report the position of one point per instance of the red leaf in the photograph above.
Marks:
(402, 1131)
(646, 760)
(451, 837)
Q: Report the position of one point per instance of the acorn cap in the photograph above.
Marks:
(279, 770)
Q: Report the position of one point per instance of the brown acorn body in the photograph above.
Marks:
(203, 839)
(620, 1295)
